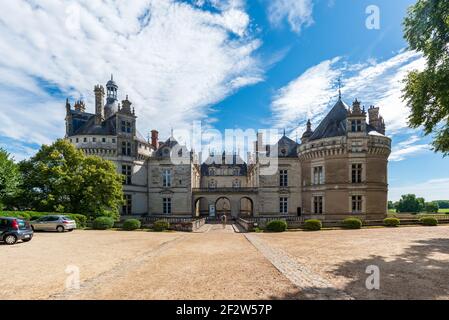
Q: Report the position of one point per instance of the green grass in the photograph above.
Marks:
(443, 211)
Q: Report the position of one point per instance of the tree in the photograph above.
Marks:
(431, 207)
(390, 205)
(409, 203)
(443, 204)
(9, 177)
(426, 29)
(61, 178)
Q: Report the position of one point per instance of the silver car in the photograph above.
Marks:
(58, 223)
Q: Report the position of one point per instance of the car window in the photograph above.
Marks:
(21, 223)
(3, 222)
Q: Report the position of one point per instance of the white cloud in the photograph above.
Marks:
(313, 93)
(174, 59)
(435, 189)
(298, 13)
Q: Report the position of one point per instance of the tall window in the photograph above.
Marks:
(166, 205)
(357, 202)
(283, 205)
(283, 178)
(318, 175)
(126, 126)
(127, 206)
(318, 204)
(166, 178)
(126, 148)
(356, 125)
(356, 173)
(127, 172)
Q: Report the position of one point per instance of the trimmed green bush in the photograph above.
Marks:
(161, 225)
(103, 223)
(392, 222)
(276, 226)
(428, 221)
(313, 225)
(352, 223)
(131, 224)
(15, 214)
(80, 219)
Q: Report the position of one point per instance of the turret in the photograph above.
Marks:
(308, 133)
(356, 119)
(99, 111)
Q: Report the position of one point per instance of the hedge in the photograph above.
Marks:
(80, 219)
(313, 225)
(103, 223)
(276, 226)
(392, 222)
(428, 221)
(161, 225)
(131, 224)
(352, 223)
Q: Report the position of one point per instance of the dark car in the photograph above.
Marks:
(14, 229)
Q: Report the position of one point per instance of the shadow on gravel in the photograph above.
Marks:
(420, 272)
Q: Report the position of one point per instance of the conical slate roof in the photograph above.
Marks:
(334, 124)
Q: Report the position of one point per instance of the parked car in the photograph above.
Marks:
(58, 223)
(14, 229)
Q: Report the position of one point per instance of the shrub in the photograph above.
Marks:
(131, 224)
(352, 223)
(103, 223)
(15, 214)
(428, 221)
(80, 219)
(391, 222)
(276, 226)
(161, 225)
(313, 225)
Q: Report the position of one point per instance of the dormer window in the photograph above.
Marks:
(356, 125)
(126, 126)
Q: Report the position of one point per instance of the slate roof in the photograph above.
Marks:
(334, 124)
(286, 148)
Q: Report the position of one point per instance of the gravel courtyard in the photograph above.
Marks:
(222, 264)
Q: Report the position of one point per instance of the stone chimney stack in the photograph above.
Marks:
(154, 138)
(99, 103)
(375, 119)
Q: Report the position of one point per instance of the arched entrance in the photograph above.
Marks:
(223, 206)
(201, 207)
(246, 207)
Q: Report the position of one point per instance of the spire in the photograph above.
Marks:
(284, 132)
(112, 77)
(339, 88)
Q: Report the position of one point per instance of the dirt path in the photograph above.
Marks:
(216, 264)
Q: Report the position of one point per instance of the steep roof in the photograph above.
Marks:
(286, 147)
(334, 124)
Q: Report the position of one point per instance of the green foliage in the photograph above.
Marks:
(392, 222)
(431, 207)
(428, 221)
(80, 219)
(276, 226)
(442, 204)
(161, 225)
(391, 205)
(131, 224)
(9, 178)
(352, 223)
(61, 178)
(313, 225)
(426, 92)
(409, 203)
(103, 223)
(16, 214)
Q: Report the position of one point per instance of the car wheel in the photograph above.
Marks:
(60, 228)
(70, 230)
(10, 239)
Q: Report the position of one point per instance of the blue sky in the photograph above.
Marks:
(230, 64)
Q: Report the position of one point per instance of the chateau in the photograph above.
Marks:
(337, 170)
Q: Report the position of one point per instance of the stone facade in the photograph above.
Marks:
(337, 170)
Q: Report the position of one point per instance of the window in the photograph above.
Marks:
(318, 204)
(357, 204)
(283, 178)
(356, 125)
(236, 171)
(103, 140)
(94, 139)
(318, 175)
(166, 178)
(356, 173)
(166, 205)
(126, 126)
(77, 140)
(71, 141)
(283, 205)
(127, 172)
(126, 148)
(113, 140)
(85, 139)
(127, 207)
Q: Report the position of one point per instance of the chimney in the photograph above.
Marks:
(99, 96)
(373, 115)
(154, 138)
